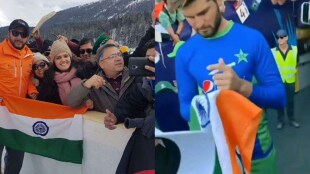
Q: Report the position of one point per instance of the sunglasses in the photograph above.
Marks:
(281, 37)
(40, 65)
(16, 33)
(113, 56)
(46, 53)
(88, 51)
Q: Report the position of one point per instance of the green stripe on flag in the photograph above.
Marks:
(194, 124)
(57, 148)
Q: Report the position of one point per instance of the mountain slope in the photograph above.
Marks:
(125, 20)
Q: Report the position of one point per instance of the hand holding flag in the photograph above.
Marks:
(110, 120)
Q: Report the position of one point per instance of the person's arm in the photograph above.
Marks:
(32, 90)
(150, 68)
(110, 120)
(132, 105)
(73, 46)
(139, 51)
(180, 19)
(187, 86)
(165, 22)
(175, 37)
(180, 28)
(270, 91)
(78, 96)
(295, 54)
(39, 40)
(227, 78)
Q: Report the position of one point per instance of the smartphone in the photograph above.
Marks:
(137, 65)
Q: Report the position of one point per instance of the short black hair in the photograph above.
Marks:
(32, 44)
(149, 44)
(47, 44)
(189, 2)
(86, 41)
(75, 41)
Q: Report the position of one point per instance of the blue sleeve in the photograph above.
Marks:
(270, 91)
(187, 86)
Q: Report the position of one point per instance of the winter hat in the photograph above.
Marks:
(124, 49)
(39, 56)
(101, 40)
(59, 47)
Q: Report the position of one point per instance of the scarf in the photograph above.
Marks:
(66, 81)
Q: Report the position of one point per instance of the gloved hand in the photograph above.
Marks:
(146, 124)
(133, 122)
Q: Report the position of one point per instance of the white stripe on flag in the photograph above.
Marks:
(197, 150)
(219, 135)
(69, 128)
(216, 129)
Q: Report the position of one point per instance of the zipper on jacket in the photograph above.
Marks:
(15, 67)
(21, 74)
(27, 55)
(21, 78)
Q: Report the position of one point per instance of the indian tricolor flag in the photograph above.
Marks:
(41, 128)
(233, 120)
(226, 125)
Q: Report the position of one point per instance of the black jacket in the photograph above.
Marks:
(140, 50)
(48, 92)
(139, 154)
(137, 103)
(86, 70)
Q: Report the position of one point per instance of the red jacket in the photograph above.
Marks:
(15, 70)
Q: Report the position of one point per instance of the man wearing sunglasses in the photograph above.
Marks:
(286, 59)
(86, 48)
(86, 65)
(15, 79)
(109, 85)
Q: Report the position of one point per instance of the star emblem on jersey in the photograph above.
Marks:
(242, 56)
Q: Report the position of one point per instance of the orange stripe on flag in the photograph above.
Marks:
(39, 109)
(240, 119)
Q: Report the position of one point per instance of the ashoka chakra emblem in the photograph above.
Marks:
(40, 128)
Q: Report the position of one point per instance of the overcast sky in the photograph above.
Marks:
(32, 10)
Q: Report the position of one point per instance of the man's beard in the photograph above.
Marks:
(19, 47)
(15, 46)
(215, 28)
